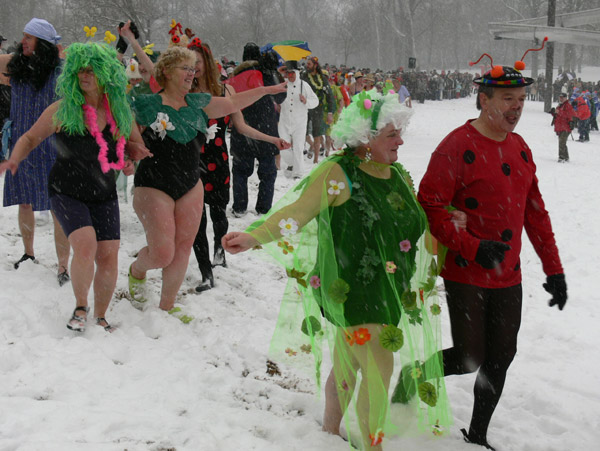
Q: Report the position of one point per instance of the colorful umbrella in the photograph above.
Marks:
(288, 50)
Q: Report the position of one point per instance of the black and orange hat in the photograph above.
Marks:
(505, 76)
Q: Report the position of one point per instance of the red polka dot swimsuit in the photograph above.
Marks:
(495, 184)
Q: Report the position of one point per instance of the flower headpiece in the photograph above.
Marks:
(368, 113)
(177, 34)
(505, 76)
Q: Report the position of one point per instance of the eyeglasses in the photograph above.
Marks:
(188, 69)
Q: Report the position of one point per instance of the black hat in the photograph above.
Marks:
(291, 65)
(503, 77)
(2, 38)
(562, 94)
(251, 52)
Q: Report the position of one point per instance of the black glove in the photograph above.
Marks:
(134, 30)
(556, 285)
(491, 253)
(121, 45)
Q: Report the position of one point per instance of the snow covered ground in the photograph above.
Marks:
(158, 384)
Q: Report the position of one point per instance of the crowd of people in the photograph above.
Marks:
(357, 239)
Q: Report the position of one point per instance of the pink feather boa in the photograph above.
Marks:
(91, 120)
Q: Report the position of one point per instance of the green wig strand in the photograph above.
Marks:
(111, 78)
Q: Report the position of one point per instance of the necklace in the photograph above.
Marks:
(91, 120)
(313, 82)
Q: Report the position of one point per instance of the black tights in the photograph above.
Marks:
(218, 217)
(485, 323)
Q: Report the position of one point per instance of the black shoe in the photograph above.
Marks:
(238, 214)
(25, 257)
(63, 277)
(483, 442)
(563, 160)
(219, 258)
(206, 284)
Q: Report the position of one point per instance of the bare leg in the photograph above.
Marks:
(376, 365)
(27, 226)
(84, 246)
(328, 145)
(317, 148)
(61, 243)
(105, 280)
(338, 394)
(188, 213)
(155, 209)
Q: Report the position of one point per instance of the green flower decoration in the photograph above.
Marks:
(338, 291)
(391, 338)
(435, 309)
(428, 394)
(315, 325)
(387, 87)
(409, 300)
(295, 274)
(396, 201)
(360, 103)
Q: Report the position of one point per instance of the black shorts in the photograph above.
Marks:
(317, 125)
(73, 214)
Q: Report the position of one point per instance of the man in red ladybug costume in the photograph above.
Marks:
(563, 117)
(486, 170)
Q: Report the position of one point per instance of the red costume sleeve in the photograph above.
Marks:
(539, 230)
(436, 192)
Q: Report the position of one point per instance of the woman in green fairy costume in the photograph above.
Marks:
(353, 240)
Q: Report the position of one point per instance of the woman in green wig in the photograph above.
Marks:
(354, 242)
(95, 135)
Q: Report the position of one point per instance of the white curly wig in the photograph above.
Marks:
(354, 129)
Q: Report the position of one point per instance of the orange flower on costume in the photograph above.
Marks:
(376, 438)
(350, 338)
(362, 335)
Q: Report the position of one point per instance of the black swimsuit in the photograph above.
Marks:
(174, 168)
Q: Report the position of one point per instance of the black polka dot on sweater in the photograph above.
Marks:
(517, 266)
(471, 203)
(524, 156)
(469, 156)
(461, 262)
(506, 235)
(506, 168)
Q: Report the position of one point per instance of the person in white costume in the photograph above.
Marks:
(293, 118)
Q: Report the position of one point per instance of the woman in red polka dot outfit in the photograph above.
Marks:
(214, 163)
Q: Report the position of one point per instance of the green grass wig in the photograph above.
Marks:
(111, 78)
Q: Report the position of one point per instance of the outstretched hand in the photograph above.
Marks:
(126, 32)
(236, 242)
(277, 89)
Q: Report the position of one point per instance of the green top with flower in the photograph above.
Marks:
(354, 250)
(180, 125)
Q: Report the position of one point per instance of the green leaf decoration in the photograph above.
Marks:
(414, 316)
(338, 291)
(429, 284)
(428, 394)
(396, 201)
(409, 300)
(391, 338)
(315, 325)
(433, 269)
(295, 274)
(435, 309)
